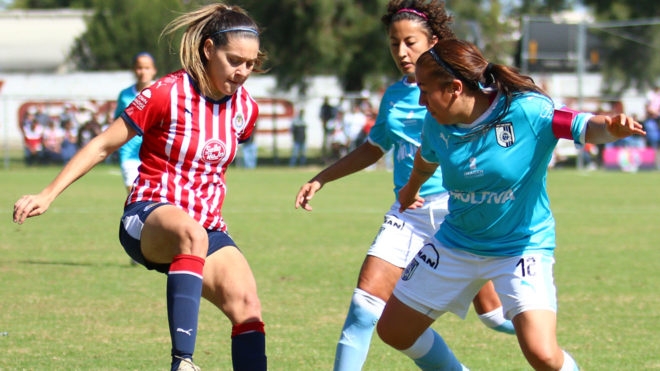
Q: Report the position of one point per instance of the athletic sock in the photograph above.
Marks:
(569, 363)
(353, 345)
(184, 291)
(431, 353)
(495, 320)
(248, 347)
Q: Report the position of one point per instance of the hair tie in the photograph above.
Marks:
(413, 11)
(488, 70)
(489, 79)
(232, 29)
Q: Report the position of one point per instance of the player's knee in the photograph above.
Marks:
(365, 309)
(193, 239)
(390, 337)
(245, 312)
(545, 358)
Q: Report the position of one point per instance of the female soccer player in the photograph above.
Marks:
(413, 27)
(144, 69)
(493, 131)
(192, 121)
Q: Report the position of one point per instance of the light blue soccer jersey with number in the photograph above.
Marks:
(495, 172)
(131, 149)
(399, 127)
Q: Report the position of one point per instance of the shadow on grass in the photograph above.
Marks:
(78, 264)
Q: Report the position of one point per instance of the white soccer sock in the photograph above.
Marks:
(493, 318)
(421, 346)
(569, 363)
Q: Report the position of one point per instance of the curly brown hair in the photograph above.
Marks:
(432, 14)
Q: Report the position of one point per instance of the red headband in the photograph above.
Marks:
(413, 11)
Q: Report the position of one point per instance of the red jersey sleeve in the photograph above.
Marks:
(151, 106)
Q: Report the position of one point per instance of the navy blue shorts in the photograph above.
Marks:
(130, 230)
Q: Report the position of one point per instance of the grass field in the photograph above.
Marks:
(69, 299)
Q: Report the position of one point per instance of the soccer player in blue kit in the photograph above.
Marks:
(413, 26)
(492, 131)
(144, 68)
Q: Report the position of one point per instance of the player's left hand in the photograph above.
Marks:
(622, 126)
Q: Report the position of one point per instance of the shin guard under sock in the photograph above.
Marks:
(248, 347)
(495, 320)
(430, 352)
(353, 345)
(184, 291)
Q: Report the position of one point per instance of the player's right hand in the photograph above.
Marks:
(29, 206)
(409, 199)
(306, 193)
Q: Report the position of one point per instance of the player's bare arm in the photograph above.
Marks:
(364, 155)
(604, 129)
(409, 193)
(84, 160)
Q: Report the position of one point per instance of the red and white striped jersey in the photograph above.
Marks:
(188, 142)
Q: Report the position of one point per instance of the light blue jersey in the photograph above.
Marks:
(495, 172)
(399, 127)
(131, 149)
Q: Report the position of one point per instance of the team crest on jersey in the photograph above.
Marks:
(239, 122)
(214, 151)
(504, 134)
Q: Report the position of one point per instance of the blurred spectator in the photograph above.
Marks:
(53, 136)
(41, 114)
(328, 112)
(589, 155)
(299, 134)
(32, 132)
(70, 142)
(249, 152)
(652, 122)
(68, 115)
(368, 124)
(88, 131)
(339, 140)
(355, 120)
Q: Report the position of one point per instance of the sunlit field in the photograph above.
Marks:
(70, 300)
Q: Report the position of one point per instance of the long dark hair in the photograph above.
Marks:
(451, 59)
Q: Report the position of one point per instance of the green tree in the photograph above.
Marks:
(322, 37)
(633, 50)
(117, 30)
(483, 24)
(52, 4)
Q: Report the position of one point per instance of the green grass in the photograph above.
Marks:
(70, 300)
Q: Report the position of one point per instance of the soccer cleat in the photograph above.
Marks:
(187, 364)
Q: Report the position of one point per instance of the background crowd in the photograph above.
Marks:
(54, 137)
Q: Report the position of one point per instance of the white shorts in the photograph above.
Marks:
(440, 280)
(402, 234)
(129, 171)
